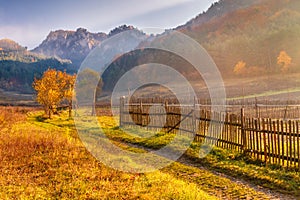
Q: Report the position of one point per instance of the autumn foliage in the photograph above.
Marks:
(54, 88)
(240, 68)
(284, 60)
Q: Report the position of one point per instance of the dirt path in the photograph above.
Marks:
(273, 195)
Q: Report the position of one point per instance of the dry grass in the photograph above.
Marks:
(44, 159)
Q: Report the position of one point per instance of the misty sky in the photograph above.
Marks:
(28, 22)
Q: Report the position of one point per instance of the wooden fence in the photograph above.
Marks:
(274, 141)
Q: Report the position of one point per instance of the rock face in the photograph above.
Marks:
(71, 45)
(120, 29)
(74, 45)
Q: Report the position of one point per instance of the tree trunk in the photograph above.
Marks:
(49, 112)
(70, 110)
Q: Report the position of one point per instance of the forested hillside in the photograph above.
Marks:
(254, 34)
(18, 67)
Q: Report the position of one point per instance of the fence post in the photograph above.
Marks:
(122, 102)
(243, 131)
(141, 113)
(256, 108)
(167, 124)
(194, 117)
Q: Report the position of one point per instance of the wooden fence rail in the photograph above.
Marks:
(274, 141)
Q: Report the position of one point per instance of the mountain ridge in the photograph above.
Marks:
(7, 44)
(74, 45)
(13, 51)
(218, 9)
(71, 45)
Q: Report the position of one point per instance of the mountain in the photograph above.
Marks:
(251, 31)
(10, 45)
(62, 50)
(18, 67)
(71, 45)
(74, 45)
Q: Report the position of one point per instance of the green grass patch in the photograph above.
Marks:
(243, 166)
(221, 160)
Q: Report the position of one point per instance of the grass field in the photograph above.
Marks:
(45, 159)
(221, 160)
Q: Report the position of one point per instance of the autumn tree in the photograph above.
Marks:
(284, 60)
(53, 88)
(240, 68)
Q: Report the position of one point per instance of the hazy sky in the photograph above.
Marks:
(28, 22)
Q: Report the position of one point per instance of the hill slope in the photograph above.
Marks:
(219, 9)
(255, 34)
(18, 67)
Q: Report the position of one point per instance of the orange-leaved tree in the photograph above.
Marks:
(53, 88)
(240, 68)
(284, 60)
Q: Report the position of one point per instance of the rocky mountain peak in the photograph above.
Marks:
(72, 45)
(75, 45)
(120, 29)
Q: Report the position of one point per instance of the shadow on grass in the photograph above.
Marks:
(40, 118)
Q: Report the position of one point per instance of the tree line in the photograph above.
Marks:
(18, 76)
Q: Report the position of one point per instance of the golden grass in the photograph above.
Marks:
(44, 159)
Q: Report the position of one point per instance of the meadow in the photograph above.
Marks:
(45, 159)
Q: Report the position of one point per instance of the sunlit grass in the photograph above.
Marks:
(226, 161)
(243, 166)
(44, 159)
